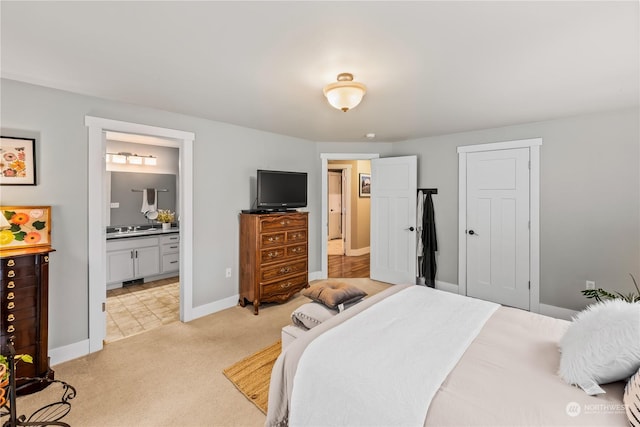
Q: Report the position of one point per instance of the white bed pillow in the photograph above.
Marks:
(602, 344)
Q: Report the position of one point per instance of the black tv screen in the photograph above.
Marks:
(281, 190)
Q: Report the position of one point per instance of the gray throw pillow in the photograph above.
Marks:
(333, 293)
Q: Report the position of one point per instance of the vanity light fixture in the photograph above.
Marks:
(132, 159)
(150, 161)
(344, 94)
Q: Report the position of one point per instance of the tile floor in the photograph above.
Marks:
(138, 308)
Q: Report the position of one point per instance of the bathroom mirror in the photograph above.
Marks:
(125, 205)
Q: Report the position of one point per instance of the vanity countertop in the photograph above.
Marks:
(140, 233)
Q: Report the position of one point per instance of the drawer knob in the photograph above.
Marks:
(46, 258)
(11, 295)
(272, 254)
(285, 269)
(11, 273)
(284, 222)
(286, 285)
(11, 305)
(11, 284)
(11, 317)
(11, 263)
(11, 328)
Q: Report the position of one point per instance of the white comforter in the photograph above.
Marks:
(336, 385)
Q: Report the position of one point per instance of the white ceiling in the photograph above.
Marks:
(431, 67)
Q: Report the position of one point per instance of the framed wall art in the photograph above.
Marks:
(17, 161)
(24, 227)
(365, 185)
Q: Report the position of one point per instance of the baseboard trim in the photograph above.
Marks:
(316, 275)
(68, 352)
(358, 252)
(447, 287)
(213, 307)
(557, 312)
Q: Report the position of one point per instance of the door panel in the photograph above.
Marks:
(335, 205)
(498, 226)
(393, 219)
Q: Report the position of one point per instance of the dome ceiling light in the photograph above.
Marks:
(344, 94)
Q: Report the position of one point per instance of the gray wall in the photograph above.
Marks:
(225, 160)
(589, 200)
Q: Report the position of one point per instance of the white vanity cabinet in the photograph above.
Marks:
(170, 253)
(130, 259)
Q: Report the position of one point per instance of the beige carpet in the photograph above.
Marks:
(172, 375)
(252, 375)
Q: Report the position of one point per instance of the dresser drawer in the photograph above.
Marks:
(297, 236)
(9, 273)
(18, 312)
(274, 272)
(272, 255)
(281, 222)
(17, 262)
(296, 250)
(284, 287)
(24, 334)
(18, 299)
(17, 283)
(272, 239)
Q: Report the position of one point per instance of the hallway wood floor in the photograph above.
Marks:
(341, 266)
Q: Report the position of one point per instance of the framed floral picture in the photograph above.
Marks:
(365, 185)
(17, 161)
(24, 226)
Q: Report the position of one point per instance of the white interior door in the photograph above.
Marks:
(497, 226)
(393, 219)
(335, 205)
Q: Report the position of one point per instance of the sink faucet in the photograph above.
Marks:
(137, 227)
(129, 228)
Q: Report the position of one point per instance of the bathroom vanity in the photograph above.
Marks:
(149, 254)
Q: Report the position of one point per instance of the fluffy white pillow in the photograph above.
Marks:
(602, 344)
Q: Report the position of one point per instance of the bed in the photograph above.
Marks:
(359, 370)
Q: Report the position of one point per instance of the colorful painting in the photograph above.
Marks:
(24, 226)
(17, 161)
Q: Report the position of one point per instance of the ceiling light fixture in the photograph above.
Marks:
(344, 94)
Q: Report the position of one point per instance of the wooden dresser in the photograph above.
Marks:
(273, 256)
(24, 295)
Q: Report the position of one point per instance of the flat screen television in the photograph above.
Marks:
(279, 190)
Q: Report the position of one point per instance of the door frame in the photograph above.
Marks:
(533, 145)
(324, 221)
(182, 140)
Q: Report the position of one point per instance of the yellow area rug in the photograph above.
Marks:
(252, 375)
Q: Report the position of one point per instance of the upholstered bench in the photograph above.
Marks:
(329, 298)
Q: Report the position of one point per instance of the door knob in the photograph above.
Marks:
(471, 232)
(410, 228)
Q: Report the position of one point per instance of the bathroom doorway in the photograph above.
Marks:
(143, 277)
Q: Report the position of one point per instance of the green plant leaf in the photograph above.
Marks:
(39, 225)
(14, 228)
(25, 358)
(8, 214)
(19, 236)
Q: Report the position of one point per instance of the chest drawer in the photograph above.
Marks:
(24, 271)
(272, 239)
(296, 236)
(19, 299)
(296, 250)
(274, 272)
(17, 283)
(281, 222)
(272, 255)
(17, 262)
(286, 286)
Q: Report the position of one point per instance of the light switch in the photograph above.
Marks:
(115, 205)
